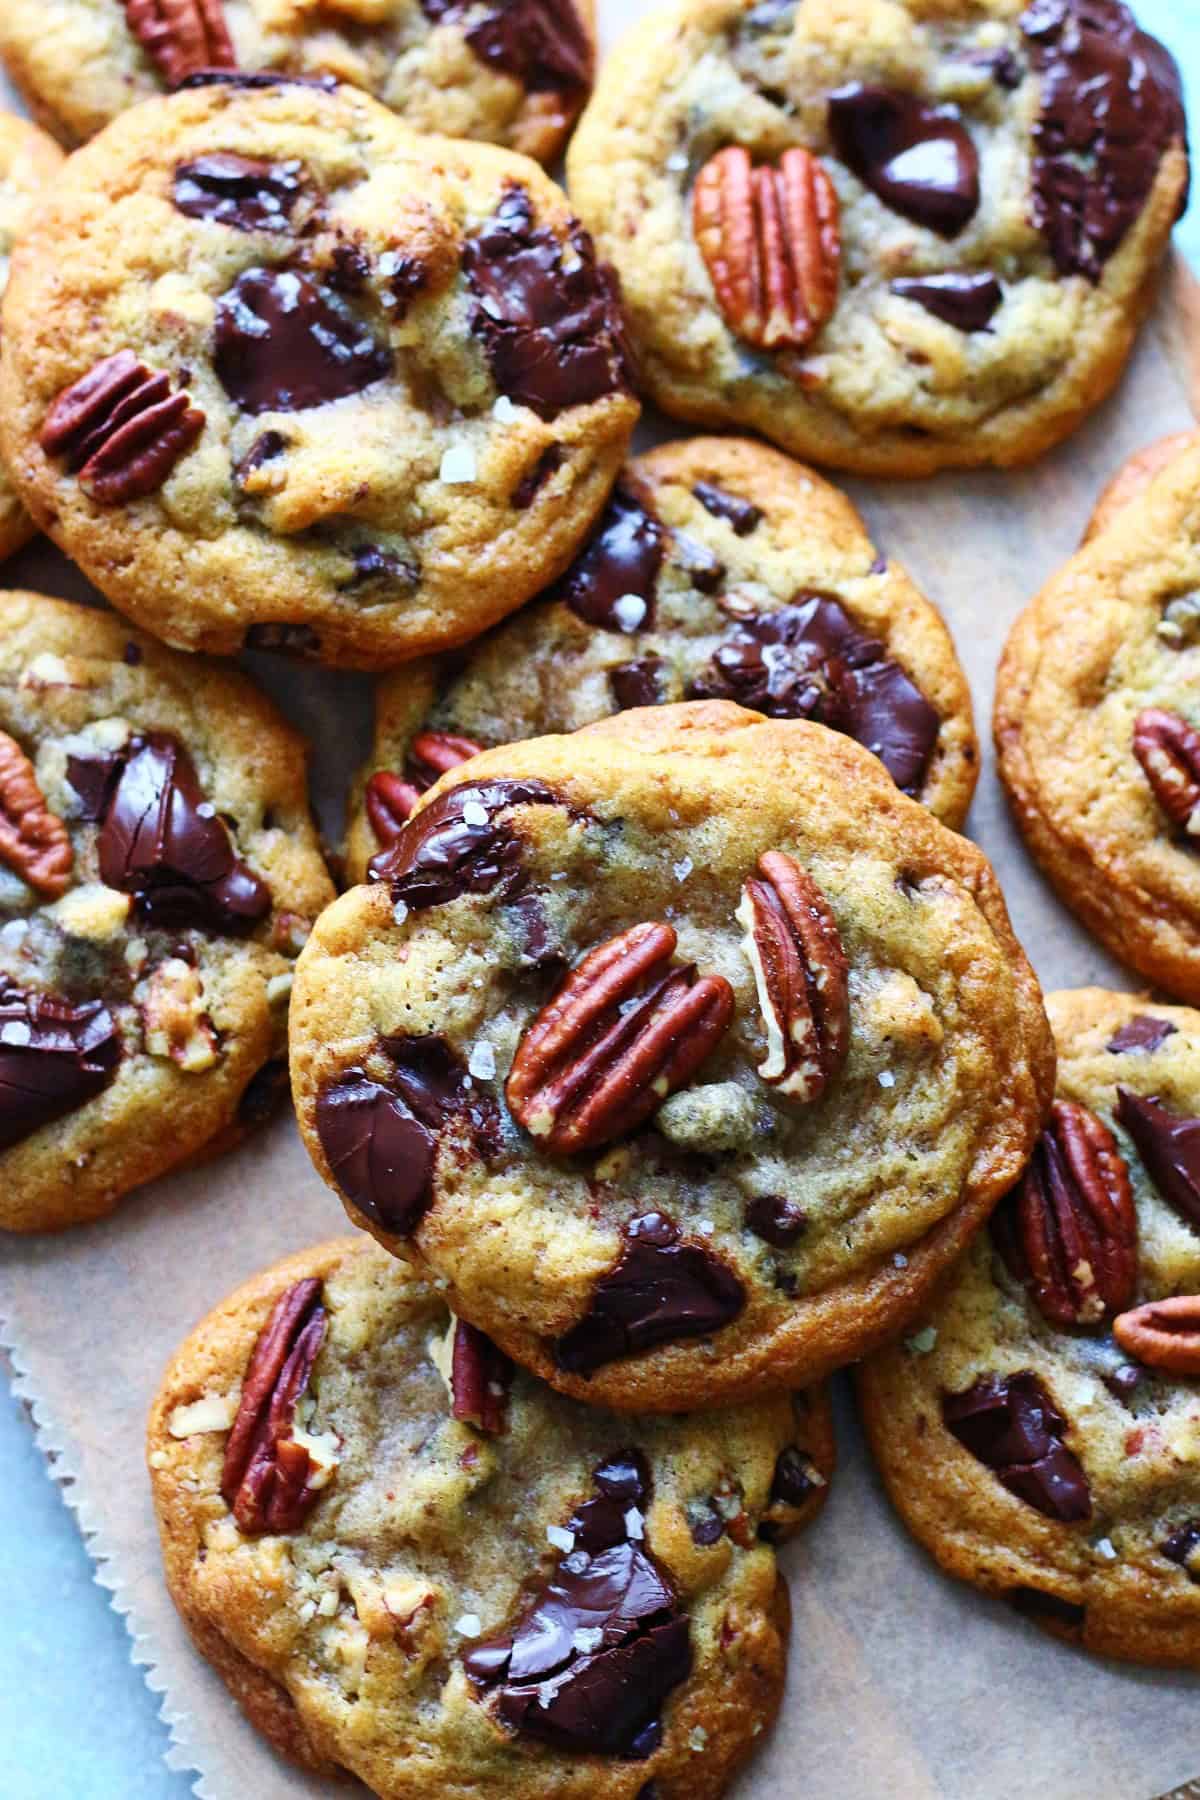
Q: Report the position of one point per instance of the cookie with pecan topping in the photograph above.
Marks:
(511, 72)
(892, 236)
(719, 568)
(29, 161)
(279, 371)
(384, 1536)
(685, 1049)
(159, 872)
(1096, 724)
(1037, 1427)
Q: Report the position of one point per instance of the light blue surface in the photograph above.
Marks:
(76, 1719)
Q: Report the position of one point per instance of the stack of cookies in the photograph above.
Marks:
(669, 1048)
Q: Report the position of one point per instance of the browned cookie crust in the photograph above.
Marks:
(1134, 477)
(29, 160)
(361, 1570)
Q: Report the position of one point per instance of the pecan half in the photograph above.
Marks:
(800, 969)
(1169, 751)
(33, 840)
(267, 1478)
(121, 429)
(480, 1378)
(390, 799)
(1163, 1334)
(1069, 1228)
(769, 238)
(623, 1031)
(181, 37)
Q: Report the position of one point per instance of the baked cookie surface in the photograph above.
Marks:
(1097, 724)
(686, 1049)
(276, 370)
(513, 72)
(29, 161)
(1038, 1432)
(891, 235)
(159, 872)
(720, 568)
(431, 1571)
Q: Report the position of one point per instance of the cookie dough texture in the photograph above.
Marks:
(362, 528)
(664, 813)
(343, 1641)
(1134, 477)
(886, 387)
(200, 1015)
(29, 161)
(78, 63)
(1109, 637)
(1103, 1581)
(552, 669)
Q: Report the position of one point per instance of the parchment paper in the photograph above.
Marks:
(902, 1683)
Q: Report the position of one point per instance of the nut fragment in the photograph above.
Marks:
(267, 1475)
(1163, 1334)
(623, 1031)
(480, 1377)
(121, 429)
(769, 238)
(181, 37)
(800, 968)
(1169, 751)
(33, 840)
(174, 1020)
(390, 799)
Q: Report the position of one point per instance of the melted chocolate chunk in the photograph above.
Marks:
(810, 661)
(254, 79)
(603, 1694)
(1011, 1425)
(1182, 1545)
(705, 571)
(741, 514)
(619, 568)
(286, 639)
(54, 1058)
(540, 43)
(553, 336)
(375, 565)
(706, 1525)
(792, 1484)
(776, 1221)
(1142, 1033)
(920, 161)
(263, 1094)
(241, 191)
(1006, 70)
(1111, 103)
(659, 1291)
(449, 849)
(282, 344)
(637, 683)
(531, 484)
(1169, 1146)
(1032, 1603)
(968, 302)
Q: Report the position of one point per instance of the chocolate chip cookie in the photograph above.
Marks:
(1038, 1430)
(722, 569)
(279, 371)
(513, 72)
(894, 236)
(686, 1050)
(1098, 729)
(29, 161)
(416, 1564)
(158, 874)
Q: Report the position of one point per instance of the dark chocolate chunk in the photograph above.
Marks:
(288, 639)
(553, 336)
(1122, 1381)
(1169, 1146)
(263, 1094)
(621, 563)
(242, 191)
(131, 655)
(281, 343)
(442, 853)
(530, 924)
(531, 483)
(637, 683)
(351, 269)
(920, 161)
(1010, 1423)
(968, 302)
(1182, 1545)
(540, 43)
(741, 514)
(54, 1058)
(776, 1221)
(92, 778)
(1006, 70)
(704, 570)
(373, 565)
(264, 449)
(1032, 1603)
(706, 1525)
(659, 1291)
(255, 79)
(793, 1483)
(1143, 1033)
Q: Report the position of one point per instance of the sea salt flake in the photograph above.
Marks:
(474, 814)
(635, 1525)
(587, 1639)
(561, 1538)
(921, 1342)
(682, 869)
(482, 1063)
(504, 410)
(400, 911)
(629, 611)
(469, 1625)
(899, 1260)
(458, 465)
(886, 1078)
(1106, 1548)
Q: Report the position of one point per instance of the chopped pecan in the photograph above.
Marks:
(800, 968)
(623, 1031)
(480, 1377)
(174, 1020)
(1069, 1228)
(33, 840)
(121, 429)
(1163, 1334)
(267, 1478)
(391, 799)
(1169, 751)
(770, 241)
(181, 37)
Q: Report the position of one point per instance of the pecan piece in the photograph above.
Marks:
(769, 238)
(121, 429)
(480, 1377)
(1169, 751)
(267, 1477)
(391, 799)
(1069, 1228)
(181, 37)
(1163, 1334)
(33, 840)
(623, 1031)
(800, 969)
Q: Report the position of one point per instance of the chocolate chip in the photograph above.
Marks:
(553, 336)
(879, 566)
(442, 853)
(792, 1484)
(968, 302)
(920, 161)
(286, 639)
(375, 566)
(741, 514)
(1169, 1146)
(705, 571)
(1032, 1603)
(254, 79)
(619, 568)
(282, 344)
(1122, 1381)
(1182, 1545)
(706, 1525)
(54, 1058)
(777, 1221)
(637, 683)
(540, 43)
(351, 269)
(263, 1094)
(531, 483)
(1006, 70)
(1143, 1033)
(131, 655)
(658, 1292)
(241, 191)
(1011, 1425)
